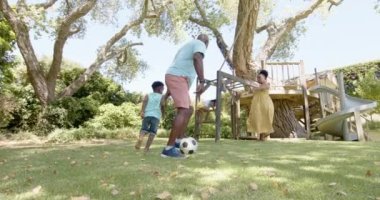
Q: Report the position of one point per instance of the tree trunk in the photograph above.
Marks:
(244, 35)
(285, 123)
(23, 42)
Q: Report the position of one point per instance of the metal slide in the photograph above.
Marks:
(334, 124)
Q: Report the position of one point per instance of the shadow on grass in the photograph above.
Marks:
(282, 170)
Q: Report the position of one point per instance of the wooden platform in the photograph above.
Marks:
(295, 96)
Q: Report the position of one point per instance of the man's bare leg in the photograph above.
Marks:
(179, 125)
(189, 114)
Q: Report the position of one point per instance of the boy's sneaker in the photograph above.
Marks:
(172, 153)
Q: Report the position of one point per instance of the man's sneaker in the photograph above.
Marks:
(172, 153)
(176, 145)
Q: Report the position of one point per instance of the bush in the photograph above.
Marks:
(79, 110)
(113, 117)
(373, 125)
(65, 136)
(163, 133)
(208, 130)
(8, 105)
(170, 112)
(52, 118)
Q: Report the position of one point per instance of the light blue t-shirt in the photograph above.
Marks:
(153, 106)
(183, 64)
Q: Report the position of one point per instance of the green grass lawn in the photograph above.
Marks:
(280, 169)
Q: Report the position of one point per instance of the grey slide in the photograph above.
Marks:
(334, 124)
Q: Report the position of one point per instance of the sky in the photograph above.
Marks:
(350, 34)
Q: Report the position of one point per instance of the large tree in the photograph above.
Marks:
(67, 21)
(253, 17)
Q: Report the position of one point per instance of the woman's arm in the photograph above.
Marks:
(264, 86)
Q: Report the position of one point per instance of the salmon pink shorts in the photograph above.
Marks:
(178, 87)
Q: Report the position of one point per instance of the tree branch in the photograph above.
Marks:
(277, 31)
(106, 53)
(223, 47)
(64, 31)
(47, 4)
(334, 3)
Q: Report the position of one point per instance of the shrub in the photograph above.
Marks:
(113, 117)
(51, 118)
(65, 136)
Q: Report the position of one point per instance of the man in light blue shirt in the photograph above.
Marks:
(187, 64)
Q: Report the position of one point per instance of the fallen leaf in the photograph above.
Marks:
(180, 166)
(132, 193)
(106, 153)
(29, 179)
(332, 184)
(377, 198)
(212, 190)
(80, 198)
(369, 173)
(6, 178)
(206, 192)
(270, 173)
(68, 158)
(92, 156)
(73, 162)
(341, 193)
(114, 192)
(111, 186)
(285, 191)
(205, 195)
(156, 173)
(125, 163)
(164, 196)
(173, 174)
(253, 186)
(37, 189)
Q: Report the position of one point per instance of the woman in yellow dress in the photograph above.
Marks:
(262, 110)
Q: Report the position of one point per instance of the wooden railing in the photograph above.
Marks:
(285, 74)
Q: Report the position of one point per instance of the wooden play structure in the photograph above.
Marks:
(291, 85)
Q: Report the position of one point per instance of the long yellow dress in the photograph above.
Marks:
(260, 118)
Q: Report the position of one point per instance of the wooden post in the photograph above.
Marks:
(237, 114)
(342, 97)
(233, 118)
(305, 100)
(359, 126)
(321, 103)
(218, 111)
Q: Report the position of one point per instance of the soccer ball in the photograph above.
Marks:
(188, 145)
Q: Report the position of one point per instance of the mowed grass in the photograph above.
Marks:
(281, 170)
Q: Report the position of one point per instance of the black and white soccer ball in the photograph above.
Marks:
(188, 145)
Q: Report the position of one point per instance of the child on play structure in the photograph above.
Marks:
(262, 110)
(151, 112)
